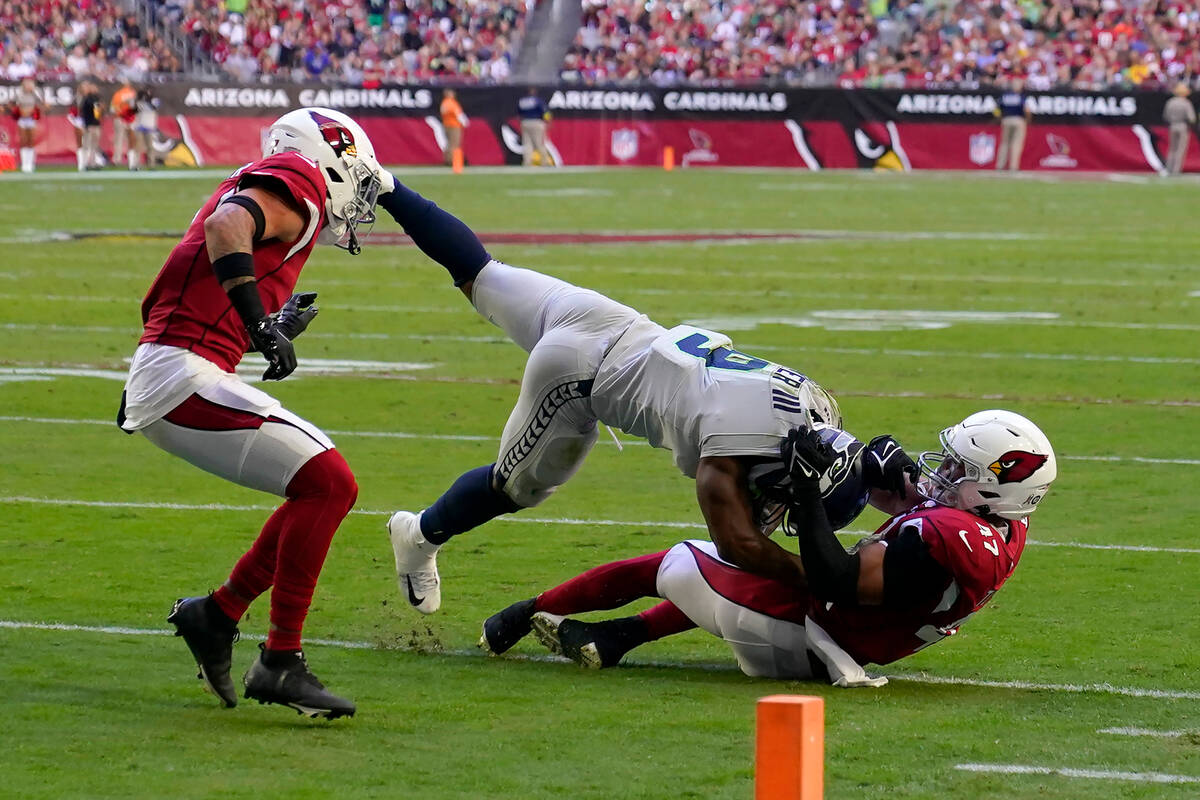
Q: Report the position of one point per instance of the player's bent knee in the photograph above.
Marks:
(326, 474)
(526, 495)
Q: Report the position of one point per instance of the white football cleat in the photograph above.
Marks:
(416, 562)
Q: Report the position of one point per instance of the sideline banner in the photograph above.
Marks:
(802, 128)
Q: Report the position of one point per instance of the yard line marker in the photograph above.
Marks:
(569, 521)
(1072, 772)
(858, 351)
(463, 437)
(1068, 688)
(118, 630)
(1143, 732)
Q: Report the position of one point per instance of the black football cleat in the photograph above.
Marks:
(505, 628)
(284, 678)
(210, 635)
(593, 645)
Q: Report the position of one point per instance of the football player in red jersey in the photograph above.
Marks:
(227, 289)
(909, 585)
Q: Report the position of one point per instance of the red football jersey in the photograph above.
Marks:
(975, 555)
(186, 306)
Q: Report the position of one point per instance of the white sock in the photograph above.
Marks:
(26, 159)
(133, 159)
(80, 159)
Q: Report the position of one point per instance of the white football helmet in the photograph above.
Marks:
(344, 155)
(992, 463)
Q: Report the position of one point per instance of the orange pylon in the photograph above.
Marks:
(789, 753)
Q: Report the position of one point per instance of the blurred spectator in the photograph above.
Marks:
(145, 130)
(1180, 117)
(1015, 115)
(535, 117)
(454, 121)
(123, 108)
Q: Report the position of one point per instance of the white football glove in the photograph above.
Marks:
(387, 181)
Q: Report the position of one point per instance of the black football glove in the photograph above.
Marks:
(887, 466)
(806, 456)
(267, 339)
(292, 320)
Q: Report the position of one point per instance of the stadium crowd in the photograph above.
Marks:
(355, 42)
(55, 39)
(1086, 44)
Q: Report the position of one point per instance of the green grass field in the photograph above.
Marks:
(919, 299)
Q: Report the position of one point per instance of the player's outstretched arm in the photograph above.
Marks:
(442, 236)
(720, 490)
(230, 232)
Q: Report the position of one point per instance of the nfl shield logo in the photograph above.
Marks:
(982, 148)
(624, 143)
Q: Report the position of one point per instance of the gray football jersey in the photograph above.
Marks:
(687, 390)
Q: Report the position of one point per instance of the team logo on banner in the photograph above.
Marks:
(1060, 153)
(702, 148)
(624, 143)
(982, 148)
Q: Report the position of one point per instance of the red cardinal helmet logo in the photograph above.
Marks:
(1016, 465)
(336, 135)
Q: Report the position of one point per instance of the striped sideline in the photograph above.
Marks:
(916, 677)
(1073, 772)
(463, 437)
(572, 521)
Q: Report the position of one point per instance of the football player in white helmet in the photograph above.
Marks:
(226, 289)
(346, 158)
(993, 463)
(911, 584)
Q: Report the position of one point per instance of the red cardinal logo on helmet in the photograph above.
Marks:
(1016, 465)
(336, 135)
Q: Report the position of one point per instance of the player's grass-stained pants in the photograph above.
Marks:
(567, 331)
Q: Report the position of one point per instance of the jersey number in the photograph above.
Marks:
(719, 357)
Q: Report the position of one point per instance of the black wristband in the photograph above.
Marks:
(251, 205)
(247, 302)
(233, 265)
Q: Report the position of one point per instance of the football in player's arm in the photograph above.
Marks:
(911, 584)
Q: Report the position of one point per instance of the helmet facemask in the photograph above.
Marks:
(360, 209)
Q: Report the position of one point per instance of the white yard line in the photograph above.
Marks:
(1067, 688)
(566, 521)
(1074, 772)
(450, 437)
(1143, 732)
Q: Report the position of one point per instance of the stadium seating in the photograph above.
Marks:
(54, 39)
(417, 40)
(1086, 44)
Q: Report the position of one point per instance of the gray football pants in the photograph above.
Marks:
(567, 331)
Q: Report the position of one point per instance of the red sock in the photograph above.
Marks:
(254, 571)
(319, 497)
(665, 619)
(607, 586)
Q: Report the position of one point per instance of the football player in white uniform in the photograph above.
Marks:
(723, 414)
